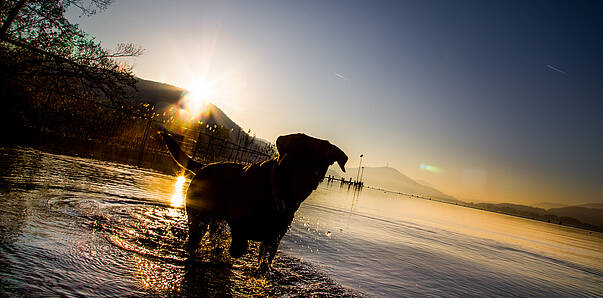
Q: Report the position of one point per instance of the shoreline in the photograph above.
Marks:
(583, 226)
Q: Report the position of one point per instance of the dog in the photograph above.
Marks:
(257, 201)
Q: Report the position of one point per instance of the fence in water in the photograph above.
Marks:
(130, 132)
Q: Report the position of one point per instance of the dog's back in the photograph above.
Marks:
(235, 192)
(212, 187)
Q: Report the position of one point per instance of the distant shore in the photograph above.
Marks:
(547, 218)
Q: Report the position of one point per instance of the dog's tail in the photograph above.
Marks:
(181, 158)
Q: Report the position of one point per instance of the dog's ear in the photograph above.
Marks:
(334, 154)
(299, 143)
(290, 144)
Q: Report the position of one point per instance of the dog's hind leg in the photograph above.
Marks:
(214, 227)
(267, 252)
(238, 246)
(216, 235)
(196, 230)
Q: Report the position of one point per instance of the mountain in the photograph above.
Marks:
(164, 96)
(391, 179)
(160, 94)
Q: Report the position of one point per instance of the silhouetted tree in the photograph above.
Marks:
(43, 54)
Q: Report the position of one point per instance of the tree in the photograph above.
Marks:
(42, 54)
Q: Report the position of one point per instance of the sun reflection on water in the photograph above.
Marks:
(158, 276)
(177, 199)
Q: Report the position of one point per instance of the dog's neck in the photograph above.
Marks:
(278, 201)
(281, 196)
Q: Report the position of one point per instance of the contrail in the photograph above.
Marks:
(556, 69)
(341, 76)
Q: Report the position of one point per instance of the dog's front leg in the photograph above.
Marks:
(196, 229)
(262, 253)
(272, 247)
(262, 264)
(267, 252)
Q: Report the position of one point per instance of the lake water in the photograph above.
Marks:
(74, 226)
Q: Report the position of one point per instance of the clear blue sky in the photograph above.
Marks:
(504, 96)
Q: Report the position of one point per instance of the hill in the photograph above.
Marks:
(521, 208)
(548, 205)
(579, 217)
(586, 215)
(591, 205)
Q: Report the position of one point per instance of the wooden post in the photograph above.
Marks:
(144, 142)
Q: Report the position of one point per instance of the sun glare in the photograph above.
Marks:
(196, 98)
(177, 199)
(201, 91)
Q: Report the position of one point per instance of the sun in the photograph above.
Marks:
(195, 100)
(200, 92)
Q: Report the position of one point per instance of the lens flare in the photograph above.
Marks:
(194, 102)
(430, 168)
(177, 199)
(200, 92)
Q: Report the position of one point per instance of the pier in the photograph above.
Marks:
(343, 182)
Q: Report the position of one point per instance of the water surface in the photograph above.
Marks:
(76, 226)
(390, 245)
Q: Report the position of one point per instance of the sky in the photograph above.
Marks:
(503, 97)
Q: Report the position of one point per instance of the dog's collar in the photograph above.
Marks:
(280, 204)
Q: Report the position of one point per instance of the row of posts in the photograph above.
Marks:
(343, 181)
(358, 183)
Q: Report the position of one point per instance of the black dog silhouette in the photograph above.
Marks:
(257, 201)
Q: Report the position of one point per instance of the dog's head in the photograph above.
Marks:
(304, 161)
